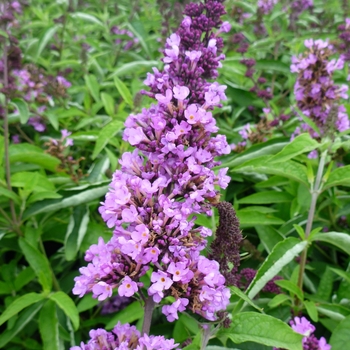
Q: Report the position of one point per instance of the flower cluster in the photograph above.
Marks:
(125, 38)
(59, 148)
(247, 275)
(124, 337)
(310, 342)
(344, 46)
(315, 91)
(168, 179)
(8, 10)
(266, 6)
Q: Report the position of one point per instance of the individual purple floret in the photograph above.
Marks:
(125, 337)
(167, 180)
(318, 97)
(302, 326)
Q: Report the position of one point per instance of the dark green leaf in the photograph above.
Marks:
(278, 300)
(25, 317)
(283, 253)
(338, 239)
(338, 177)
(19, 304)
(106, 133)
(22, 108)
(67, 201)
(38, 262)
(311, 310)
(301, 144)
(291, 287)
(124, 91)
(76, 230)
(93, 86)
(340, 338)
(262, 329)
(131, 313)
(267, 197)
(28, 153)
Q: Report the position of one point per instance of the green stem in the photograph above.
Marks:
(315, 191)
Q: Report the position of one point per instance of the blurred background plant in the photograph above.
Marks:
(70, 74)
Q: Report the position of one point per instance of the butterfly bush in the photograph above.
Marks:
(167, 179)
(302, 326)
(317, 96)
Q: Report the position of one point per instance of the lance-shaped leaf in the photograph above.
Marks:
(25, 317)
(66, 304)
(19, 304)
(282, 254)
(340, 338)
(339, 176)
(38, 263)
(76, 230)
(262, 329)
(48, 326)
(301, 144)
(22, 109)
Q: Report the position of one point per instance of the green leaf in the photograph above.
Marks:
(278, 300)
(108, 103)
(19, 304)
(87, 302)
(10, 194)
(291, 287)
(289, 169)
(76, 231)
(268, 236)
(32, 181)
(325, 287)
(338, 239)
(27, 153)
(311, 310)
(244, 297)
(273, 65)
(124, 91)
(48, 326)
(66, 304)
(39, 196)
(262, 329)
(282, 254)
(53, 118)
(38, 263)
(249, 218)
(23, 278)
(72, 200)
(338, 177)
(340, 338)
(106, 133)
(87, 17)
(267, 197)
(45, 38)
(22, 108)
(93, 86)
(131, 313)
(25, 317)
(301, 144)
(256, 151)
